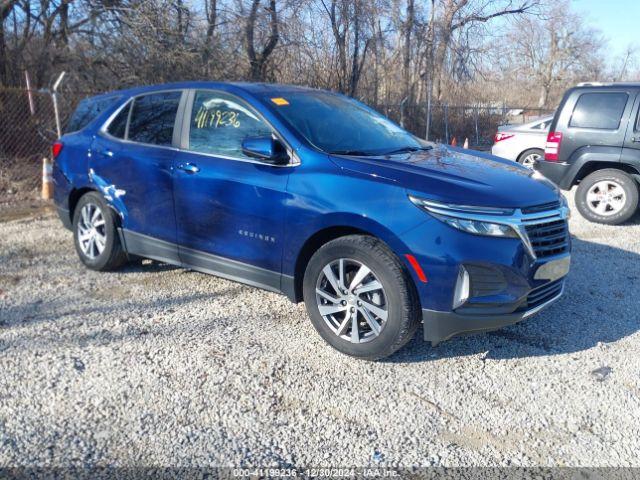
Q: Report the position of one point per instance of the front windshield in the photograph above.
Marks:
(340, 125)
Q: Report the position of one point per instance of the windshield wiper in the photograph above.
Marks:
(407, 150)
(351, 152)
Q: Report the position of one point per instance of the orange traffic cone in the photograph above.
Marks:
(466, 143)
(454, 142)
(47, 179)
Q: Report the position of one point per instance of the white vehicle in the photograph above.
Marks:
(522, 143)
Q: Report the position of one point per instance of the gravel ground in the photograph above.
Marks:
(156, 365)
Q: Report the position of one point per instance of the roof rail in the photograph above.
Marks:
(593, 84)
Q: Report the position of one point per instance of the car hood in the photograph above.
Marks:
(454, 175)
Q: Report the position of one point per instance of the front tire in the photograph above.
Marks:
(607, 196)
(360, 298)
(95, 235)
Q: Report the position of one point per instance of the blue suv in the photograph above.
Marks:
(318, 197)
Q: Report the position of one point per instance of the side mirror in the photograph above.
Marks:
(266, 149)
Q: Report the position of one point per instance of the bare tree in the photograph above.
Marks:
(258, 60)
(6, 7)
(554, 50)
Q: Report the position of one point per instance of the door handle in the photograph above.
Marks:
(188, 167)
(635, 139)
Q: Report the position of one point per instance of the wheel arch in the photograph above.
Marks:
(332, 232)
(77, 193)
(593, 166)
(74, 197)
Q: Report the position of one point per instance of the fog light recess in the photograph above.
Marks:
(461, 294)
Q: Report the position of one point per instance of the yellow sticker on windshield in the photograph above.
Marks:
(279, 101)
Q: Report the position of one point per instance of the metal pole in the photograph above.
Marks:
(446, 123)
(475, 115)
(428, 128)
(402, 107)
(54, 97)
(32, 107)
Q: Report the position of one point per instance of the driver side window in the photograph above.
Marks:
(219, 123)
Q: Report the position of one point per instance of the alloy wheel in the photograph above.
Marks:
(606, 198)
(351, 300)
(91, 232)
(530, 160)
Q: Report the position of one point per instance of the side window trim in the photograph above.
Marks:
(176, 124)
(186, 129)
(104, 130)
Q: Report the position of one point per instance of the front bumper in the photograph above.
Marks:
(441, 326)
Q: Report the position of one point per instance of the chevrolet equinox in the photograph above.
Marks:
(316, 196)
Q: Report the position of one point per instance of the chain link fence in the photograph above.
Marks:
(478, 124)
(28, 128)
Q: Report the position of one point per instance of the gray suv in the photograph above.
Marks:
(594, 142)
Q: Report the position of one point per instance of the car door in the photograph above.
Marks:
(229, 207)
(132, 162)
(631, 148)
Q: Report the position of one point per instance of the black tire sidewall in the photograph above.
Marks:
(625, 181)
(101, 261)
(387, 270)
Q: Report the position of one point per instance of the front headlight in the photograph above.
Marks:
(469, 219)
(479, 228)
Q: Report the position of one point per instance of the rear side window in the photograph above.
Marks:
(87, 111)
(219, 124)
(118, 126)
(153, 117)
(599, 110)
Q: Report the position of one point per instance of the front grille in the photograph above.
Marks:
(549, 238)
(541, 208)
(543, 294)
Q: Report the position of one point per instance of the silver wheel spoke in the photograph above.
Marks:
(375, 326)
(355, 334)
(593, 197)
(362, 272)
(91, 246)
(328, 272)
(101, 240)
(617, 191)
(326, 296)
(601, 208)
(84, 236)
(341, 274)
(377, 311)
(368, 287)
(331, 309)
(343, 326)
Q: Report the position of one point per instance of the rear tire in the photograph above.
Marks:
(383, 300)
(95, 234)
(607, 196)
(528, 158)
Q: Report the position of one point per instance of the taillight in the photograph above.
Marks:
(552, 148)
(56, 148)
(502, 136)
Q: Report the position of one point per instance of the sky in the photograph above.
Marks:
(617, 19)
